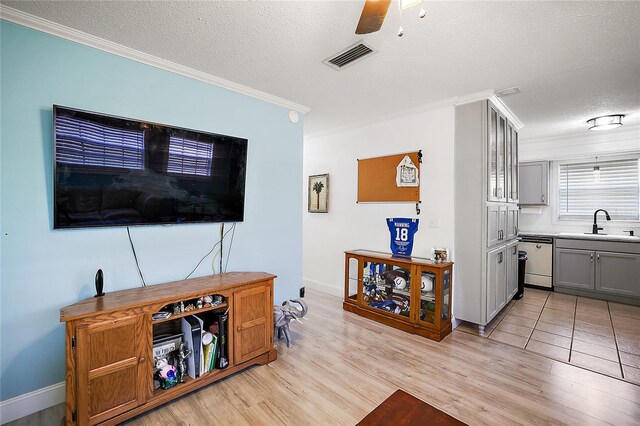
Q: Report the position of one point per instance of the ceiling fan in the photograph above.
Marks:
(374, 12)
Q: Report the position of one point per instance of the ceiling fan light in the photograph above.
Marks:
(605, 122)
(406, 4)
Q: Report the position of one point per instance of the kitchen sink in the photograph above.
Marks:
(590, 236)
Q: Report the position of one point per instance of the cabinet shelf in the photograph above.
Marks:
(221, 306)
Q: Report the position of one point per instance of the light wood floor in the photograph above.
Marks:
(342, 366)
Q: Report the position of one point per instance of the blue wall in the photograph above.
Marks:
(43, 270)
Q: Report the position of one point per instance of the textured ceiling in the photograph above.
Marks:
(572, 60)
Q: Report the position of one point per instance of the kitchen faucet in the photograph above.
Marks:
(595, 220)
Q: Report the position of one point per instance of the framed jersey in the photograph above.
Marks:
(402, 231)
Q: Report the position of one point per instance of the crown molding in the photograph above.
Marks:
(498, 102)
(58, 30)
(448, 102)
(474, 97)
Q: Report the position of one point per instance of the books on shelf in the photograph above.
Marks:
(209, 351)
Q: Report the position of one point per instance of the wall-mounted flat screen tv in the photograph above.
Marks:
(114, 171)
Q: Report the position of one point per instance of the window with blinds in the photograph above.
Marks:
(582, 192)
(87, 143)
(189, 157)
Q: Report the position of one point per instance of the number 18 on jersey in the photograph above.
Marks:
(402, 231)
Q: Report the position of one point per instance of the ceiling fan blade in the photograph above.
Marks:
(372, 17)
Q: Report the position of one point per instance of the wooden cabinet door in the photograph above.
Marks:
(618, 273)
(114, 370)
(496, 282)
(253, 322)
(574, 269)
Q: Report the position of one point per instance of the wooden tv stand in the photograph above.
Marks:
(109, 342)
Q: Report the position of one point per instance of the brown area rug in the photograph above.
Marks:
(402, 408)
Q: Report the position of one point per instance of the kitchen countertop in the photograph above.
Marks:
(537, 234)
(579, 236)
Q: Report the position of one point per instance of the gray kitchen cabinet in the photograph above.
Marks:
(534, 184)
(511, 230)
(493, 225)
(485, 161)
(512, 269)
(618, 273)
(496, 281)
(574, 269)
(492, 153)
(512, 164)
(497, 177)
(502, 158)
(497, 224)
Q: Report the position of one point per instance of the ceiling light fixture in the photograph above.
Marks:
(605, 122)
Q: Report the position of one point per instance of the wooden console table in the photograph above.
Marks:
(109, 342)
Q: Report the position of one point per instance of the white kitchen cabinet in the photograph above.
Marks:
(485, 174)
(534, 184)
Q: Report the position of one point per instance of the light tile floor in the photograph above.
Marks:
(594, 334)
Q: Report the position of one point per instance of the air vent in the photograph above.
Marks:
(349, 56)
(509, 91)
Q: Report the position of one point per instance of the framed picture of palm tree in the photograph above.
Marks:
(319, 193)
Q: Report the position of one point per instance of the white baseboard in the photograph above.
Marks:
(323, 287)
(32, 402)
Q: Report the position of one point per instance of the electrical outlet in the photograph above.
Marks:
(301, 291)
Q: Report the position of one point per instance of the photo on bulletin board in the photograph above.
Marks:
(319, 193)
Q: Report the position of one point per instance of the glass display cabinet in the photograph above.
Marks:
(409, 293)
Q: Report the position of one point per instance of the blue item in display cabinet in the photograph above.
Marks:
(387, 305)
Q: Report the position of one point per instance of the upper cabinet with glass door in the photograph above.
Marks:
(502, 162)
(496, 151)
(512, 164)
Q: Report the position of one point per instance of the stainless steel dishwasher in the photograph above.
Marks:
(539, 267)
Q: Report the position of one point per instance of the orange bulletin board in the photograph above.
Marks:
(377, 179)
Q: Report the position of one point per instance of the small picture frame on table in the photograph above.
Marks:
(319, 193)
